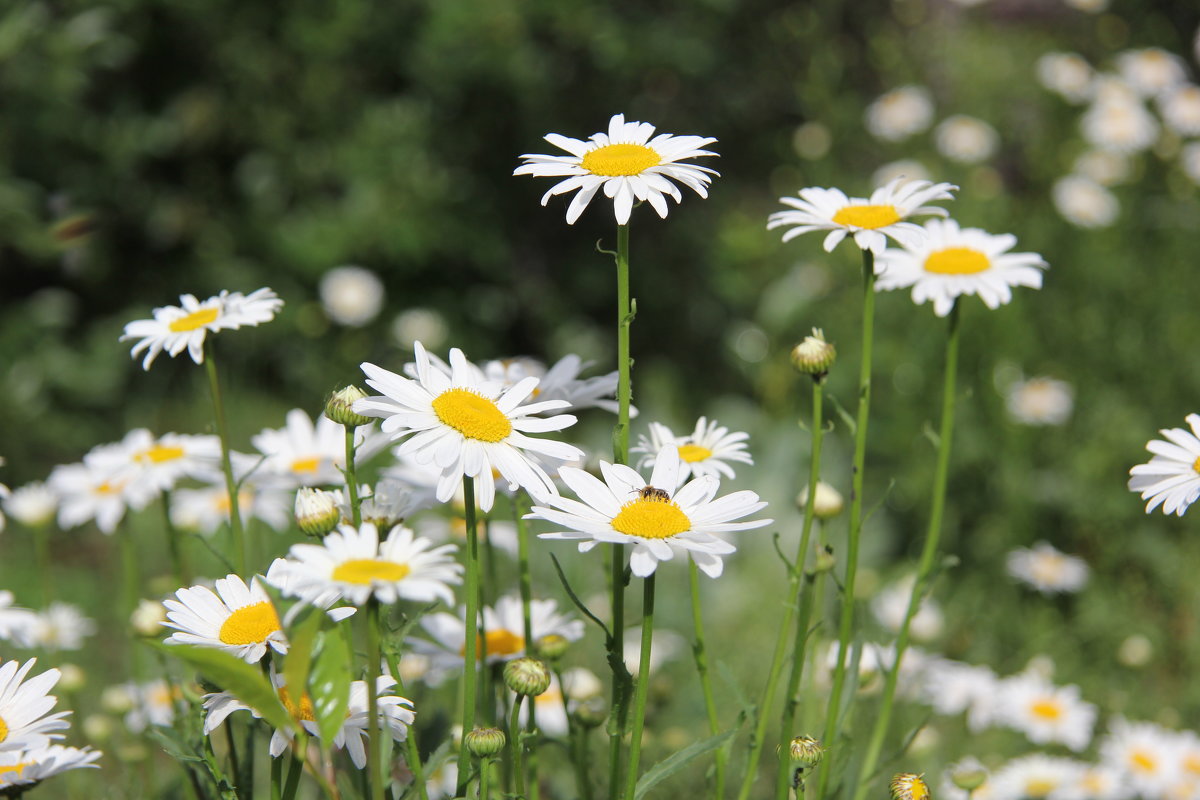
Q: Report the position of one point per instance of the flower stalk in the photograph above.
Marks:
(643, 683)
(701, 656)
(471, 646)
(235, 516)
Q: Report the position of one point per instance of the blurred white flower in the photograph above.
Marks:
(908, 168)
(829, 501)
(351, 295)
(1085, 203)
(33, 505)
(1189, 159)
(1152, 70)
(1105, 167)
(1135, 651)
(59, 626)
(664, 646)
(1089, 6)
(304, 454)
(206, 509)
(1040, 401)
(1046, 713)
(1047, 570)
(952, 687)
(1066, 74)
(156, 462)
(1180, 109)
(87, 493)
(704, 451)
(26, 768)
(152, 703)
(1034, 776)
(890, 606)
(1124, 126)
(1144, 753)
(900, 113)
(966, 139)
(419, 325)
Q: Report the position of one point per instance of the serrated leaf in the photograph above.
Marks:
(677, 761)
(298, 662)
(244, 681)
(329, 683)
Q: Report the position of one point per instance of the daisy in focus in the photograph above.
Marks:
(1047, 570)
(870, 220)
(27, 767)
(177, 328)
(704, 451)
(950, 261)
(467, 427)
(625, 508)
(25, 721)
(1172, 477)
(626, 163)
(239, 619)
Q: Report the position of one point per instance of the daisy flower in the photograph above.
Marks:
(624, 508)
(900, 113)
(150, 703)
(183, 327)
(13, 619)
(352, 563)
(1144, 753)
(86, 493)
(1096, 782)
(704, 451)
(1040, 401)
(206, 509)
(950, 261)
(665, 645)
(1034, 777)
(1180, 109)
(59, 626)
(1172, 477)
(560, 381)
(952, 687)
(157, 461)
(871, 220)
(24, 705)
(890, 606)
(1151, 71)
(306, 454)
(467, 427)
(239, 619)
(1066, 74)
(966, 139)
(1046, 713)
(1084, 203)
(33, 505)
(1047, 570)
(27, 767)
(1119, 123)
(351, 295)
(627, 163)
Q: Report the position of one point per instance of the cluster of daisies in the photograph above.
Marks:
(28, 729)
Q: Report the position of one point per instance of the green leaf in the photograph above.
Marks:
(677, 761)
(300, 649)
(244, 681)
(329, 683)
(173, 744)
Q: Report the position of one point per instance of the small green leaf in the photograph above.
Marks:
(329, 683)
(677, 761)
(242, 680)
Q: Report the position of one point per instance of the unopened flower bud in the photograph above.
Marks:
(340, 407)
(814, 356)
(116, 699)
(590, 713)
(316, 512)
(72, 678)
(968, 774)
(909, 786)
(526, 676)
(1135, 651)
(97, 728)
(484, 742)
(147, 618)
(805, 751)
(551, 646)
(829, 502)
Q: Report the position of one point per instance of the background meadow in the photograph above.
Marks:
(152, 149)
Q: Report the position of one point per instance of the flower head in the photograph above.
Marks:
(32, 505)
(306, 454)
(1172, 477)
(351, 296)
(705, 451)
(25, 722)
(1084, 203)
(27, 767)
(966, 139)
(239, 619)
(1045, 713)
(627, 163)
(900, 113)
(1047, 570)
(1040, 401)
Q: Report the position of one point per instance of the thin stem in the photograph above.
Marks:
(524, 578)
(514, 733)
(235, 516)
(234, 765)
(179, 560)
(410, 741)
(374, 744)
(295, 769)
(624, 321)
(276, 779)
(812, 589)
(795, 575)
(928, 555)
(471, 646)
(710, 704)
(41, 544)
(833, 710)
(643, 683)
(351, 479)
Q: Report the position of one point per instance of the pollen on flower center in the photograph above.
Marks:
(1143, 761)
(159, 454)
(691, 453)
(304, 712)
(472, 415)
(1047, 710)
(250, 624)
(1039, 787)
(869, 217)
(194, 320)
(3, 729)
(613, 160)
(363, 571)
(957, 261)
(310, 464)
(651, 519)
(1196, 466)
(500, 642)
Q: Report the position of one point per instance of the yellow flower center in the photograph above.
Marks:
(870, 217)
(109, 488)
(472, 415)
(500, 642)
(310, 464)
(1047, 709)
(957, 261)
(1048, 568)
(5, 769)
(612, 160)
(3, 729)
(362, 571)
(194, 320)
(245, 501)
(1191, 763)
(250, 624)
(1196, 466)
(1141, 761)
(1039, 787)
(304, 712)
(651, 518)
(159, 454)
(691, 453)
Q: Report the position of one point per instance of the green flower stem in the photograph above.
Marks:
(698, 650)
(471, 646)
(41, 546)
(624, 321)
(928, 556)
(531, 731)
(295, 769)
(811, 590)
(276, 779)
(514, 739)
(179, 560)
(795, 575)
(410, 741)
(234, 765)
(352, 480)
(643, 684)
(374, 743)
(130, 577)
(833, 710)
(526, 582)
(235, 516)
(485, 774)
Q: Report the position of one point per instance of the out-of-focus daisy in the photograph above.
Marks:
(442, 782)
(1189, 159)
(578, 686)
(468, 427)
(907, 168)
(890, 606)
(206, 509)
(1066, 74)
(59, 626)
(1144, 753)
(1095, 782)
(1047, 570)
(900, 113)
(1172, 477)
(1152, 70)
(561, 381)
(387, 504)
(870, 220)
(1046, 713)
(183, 327)
(1180, 109)
(351, 295)
(239, 619)
(950, 261)
(1033, 777)
(952, 687)
(624, 508)
(27, 767)
(395, 714)
(355, 565)
(86, 493)
(966, 139)
(147, 618)
(1105, 167)
(33, 505)
(1121, 125)
(704, 451)
(874, 660)
(1040, 401)
(157, 461)
(304, 454)
(13, 619)
(25, 721)
(419, 325)
(627, 163)
(1084, 203)
(151, 703)
(499, 534)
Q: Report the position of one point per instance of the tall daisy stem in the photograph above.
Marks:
(235, 516)
(643, 683)
(352, 479)
(834, 709)
(374, 743)
(485, 775)
(471, 646)
(701, 656)
(928, 556)
(524, 577)
(514, 734)
(812, 589)
(410, 741)
(795, 575)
